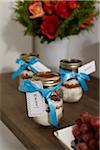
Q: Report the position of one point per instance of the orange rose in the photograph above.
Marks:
(36, 10)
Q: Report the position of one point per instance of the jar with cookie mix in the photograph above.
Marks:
(27, 74)
(50, 79)
(72, 90)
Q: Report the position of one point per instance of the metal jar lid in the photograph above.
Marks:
(48, 78)
(70, 64)
(28, 56)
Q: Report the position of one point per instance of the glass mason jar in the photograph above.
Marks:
(50, 79)
(27, 74)
(72, 90)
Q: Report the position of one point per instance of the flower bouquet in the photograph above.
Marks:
(49, 19)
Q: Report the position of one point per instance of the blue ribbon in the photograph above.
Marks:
(28, 86)
(24, 65)
(81, 77)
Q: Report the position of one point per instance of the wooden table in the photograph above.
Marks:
(32, 135)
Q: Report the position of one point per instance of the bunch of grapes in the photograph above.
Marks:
(86, 132)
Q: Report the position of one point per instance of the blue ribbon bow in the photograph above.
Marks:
(81, 77)
(28, 86)
(24, 65)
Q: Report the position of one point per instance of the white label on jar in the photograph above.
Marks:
(88, 68)
(40, 67)
(35, 103)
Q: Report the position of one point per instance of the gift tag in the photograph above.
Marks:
(88, 68)
(35, 103)
(40, 67)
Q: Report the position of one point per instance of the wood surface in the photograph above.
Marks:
(32, 135)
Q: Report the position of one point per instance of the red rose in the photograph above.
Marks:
(49, 7)
(73, 4)
(63, 9)
(49, 26)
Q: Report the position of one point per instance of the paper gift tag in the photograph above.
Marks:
(40, 67)
(88, 68)
(35, 103)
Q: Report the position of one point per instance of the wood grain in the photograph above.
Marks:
(32, 135)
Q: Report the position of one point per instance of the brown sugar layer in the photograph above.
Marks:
(71, 86)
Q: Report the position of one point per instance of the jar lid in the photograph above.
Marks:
(48, 78)
(70, 64)
(28, 56)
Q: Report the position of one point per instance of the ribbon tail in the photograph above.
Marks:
(84, 76)
(31, 64)
(23, 88)
(27, 86)
(53, 117)
(83, 84)
(15, 74)
(33, 69)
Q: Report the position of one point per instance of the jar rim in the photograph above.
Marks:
(28, 56)
(70, 63)
(48, 78)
